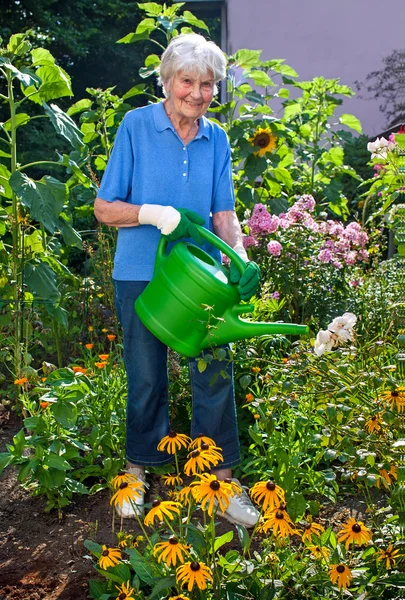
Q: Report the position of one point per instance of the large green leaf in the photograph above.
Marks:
(260, 78)
(189, 18)
(41, 57)
(24, 77)
(59, 314)
(20, 119)
(153, 9)
(248, 58)
(64, 125)
(130, 38)
(40, 279)
(18, 45)
(55, 82)
(70, 236)
(352, 122)
(79, 106)
(44, 198)
(146, 26)
(65, 413)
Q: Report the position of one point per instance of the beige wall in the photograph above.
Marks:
(329, 38)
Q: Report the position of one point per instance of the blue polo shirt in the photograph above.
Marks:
(150, 164)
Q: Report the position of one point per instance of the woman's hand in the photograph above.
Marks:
(173, 223)
(248, 281)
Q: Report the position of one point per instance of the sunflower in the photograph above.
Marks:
(160, 509)
(264, 140)
(194, 573)
(173, 441)
(389, 555)
(171, 551)
(311, 529)
(354, 532)
(209, 489)
(279, 522)
(340, 574)
(395, 398)
(172, 480)
(109, 557)
(126, 492)
(267, 492)
(319, 552)
(125, 592)
(374, 423)
(200, 439)
(201, 460)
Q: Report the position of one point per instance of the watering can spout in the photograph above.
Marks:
(231, 327)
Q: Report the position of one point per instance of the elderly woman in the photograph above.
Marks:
(170, 169)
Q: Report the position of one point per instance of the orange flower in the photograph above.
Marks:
(20, 381)
(249, 397)
(100, 365)
(103, 356)
(89, 346)
(111, 337)
(256, 416)
(44, 404)
(256, 369)
(79, 370)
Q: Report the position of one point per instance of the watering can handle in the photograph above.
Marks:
(212, 239)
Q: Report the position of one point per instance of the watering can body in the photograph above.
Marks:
(190, 304)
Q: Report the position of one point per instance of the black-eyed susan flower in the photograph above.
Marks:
(124, 539)
(160, 509)
(173, 441)
(279, 522)
(194, 573)
(109, 557)
(180, 597)
(200, 460)
(185, 495)
(389, 555)
(374, 423)
(126, 492)
(264, 140)
(171, 552)
(354, 532)
(340, 575)
(209, 489)
(395, 398)
(319, 552)
(125, 592)
(386, 477)
(124, 477)
(215, 451)
(172, 480)
(311, 529)
(200, 439)
(267, 493)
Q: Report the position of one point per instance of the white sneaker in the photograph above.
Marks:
(130, 510)
(240, 510)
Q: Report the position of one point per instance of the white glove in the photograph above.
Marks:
(165, 218)
(240, 251)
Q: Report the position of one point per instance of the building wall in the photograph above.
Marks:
(344, 39)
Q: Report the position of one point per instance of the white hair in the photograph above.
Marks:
(192, 53)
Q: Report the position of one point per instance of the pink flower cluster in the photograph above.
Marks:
(340, 245)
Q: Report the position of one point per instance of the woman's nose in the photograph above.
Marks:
(196, 90)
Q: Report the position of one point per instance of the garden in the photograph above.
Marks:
(320, 415)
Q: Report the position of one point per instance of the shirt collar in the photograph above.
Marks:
(163, 122)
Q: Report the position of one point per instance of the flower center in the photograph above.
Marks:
(155, 503)
(261, 140)
(340, 568)
(122, 596)
(282, 506)
(173, 540)
(172, 434)
(121, 473)
(271, 486)
(105, 552)
(215, 485)
(356, 528)
(279, 515)
(204, 446)
(195, 454)
(195, 566)
(373, 418)
(307, 526)
(394, 394)
(123, 485)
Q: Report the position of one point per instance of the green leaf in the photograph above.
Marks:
(283, 176)
(18, 44)
(41, 57)
(57, 462)
(260, 78)
(244, 381)
(93, 547)
(44, 198)
(64, 125)
(146, 26)
(134, 91)
(291, 110)
(223, 539)
(130, 38)
(97, 588)
(5, 188)
(55, 83)
(70, 236)
(20, 119)
(141, 566)
(76, 487)
(34, 243)
(6, 459)
(296, 506)
(352, 122)
(164, 583)
(243, 534)
(248, 58)
(151, 8)
(201, 365)
(79, 106)
(41, 280)
(19, 443)
(65, 413)
(193, 21)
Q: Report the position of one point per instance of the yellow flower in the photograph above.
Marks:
(104, 330)
(161, 508)
(172, 480)
(311, 529)
(173, 441)
(123, 477)
(256, 416)
(181, 597)
(100, 365)
(109, 557)
(201, 460)
(374, 423)
(103, 357)
(170, 552)
(319, 552)
(209, 489)
(267, 492)
(185, 495)
(389, 555)
(395, 398)
(201, 439)
(354, 532)
(90, 328)
(89, 346)
(20, 381)
(340, 574)
(264, 140)
(125, 592)
(385, 477)
(111, 337)
(194, 573)
(124, 539)
(249, 397)
(279, 522)
(126, 492)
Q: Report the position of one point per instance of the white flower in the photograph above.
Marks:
(323, 342)
(380, 147)
(342, 327)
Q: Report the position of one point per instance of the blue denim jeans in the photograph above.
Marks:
(145, 358)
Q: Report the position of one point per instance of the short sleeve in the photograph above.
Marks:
(224, 195)
(117, 179)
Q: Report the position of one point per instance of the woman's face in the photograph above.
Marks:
(190, 96)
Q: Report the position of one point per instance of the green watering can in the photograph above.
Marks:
(190, 305)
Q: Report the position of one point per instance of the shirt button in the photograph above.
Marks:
(185, 162)
(184, 174)
(184, 147)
